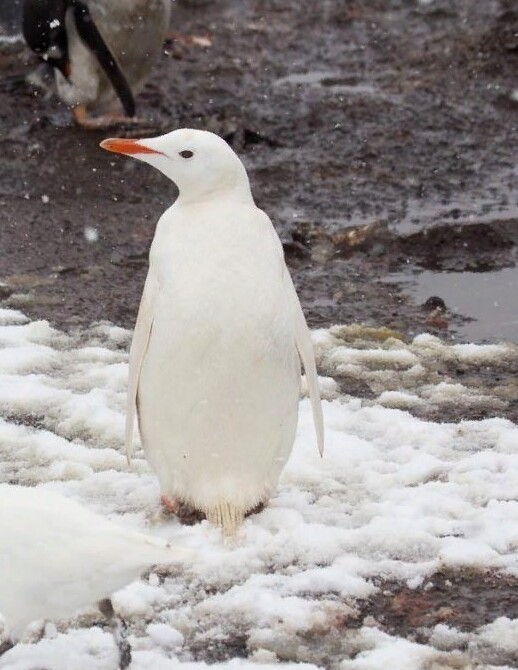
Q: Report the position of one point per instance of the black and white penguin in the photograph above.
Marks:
(100, 50)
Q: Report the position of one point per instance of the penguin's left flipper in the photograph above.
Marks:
(139, 345)
(307, 356)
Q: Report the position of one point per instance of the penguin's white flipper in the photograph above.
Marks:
(138, 349)
(307, 356)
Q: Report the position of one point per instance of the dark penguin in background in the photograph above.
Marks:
(102, 51)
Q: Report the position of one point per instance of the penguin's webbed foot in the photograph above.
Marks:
(187, 514)
(119, 632)
(106, 121)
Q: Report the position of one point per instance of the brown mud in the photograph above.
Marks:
(447, 598)
(446, 612)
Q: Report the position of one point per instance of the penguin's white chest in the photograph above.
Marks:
(219, 385)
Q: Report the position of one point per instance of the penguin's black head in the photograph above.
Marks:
(43, 25)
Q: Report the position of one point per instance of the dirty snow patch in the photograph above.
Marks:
(394, 498)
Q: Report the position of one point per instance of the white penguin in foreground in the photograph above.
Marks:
(56, 557)
(214, 365)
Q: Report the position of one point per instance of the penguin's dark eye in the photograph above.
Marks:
(186, 153)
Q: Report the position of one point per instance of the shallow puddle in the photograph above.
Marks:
(497, 202)
(490, 299)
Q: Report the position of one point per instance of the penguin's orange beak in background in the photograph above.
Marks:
(128, 147)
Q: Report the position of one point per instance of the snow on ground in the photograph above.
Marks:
(394, 498)
(427, 376)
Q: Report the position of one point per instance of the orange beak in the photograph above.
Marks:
(128, 147)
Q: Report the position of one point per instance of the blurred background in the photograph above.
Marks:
(380, 136)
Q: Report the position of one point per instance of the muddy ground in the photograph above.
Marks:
(380, 135)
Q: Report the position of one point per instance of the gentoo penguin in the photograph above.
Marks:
(214, 364)
(100, 50)
(56, 557)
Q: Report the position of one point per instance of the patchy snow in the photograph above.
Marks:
(427, 375)
(394, 498)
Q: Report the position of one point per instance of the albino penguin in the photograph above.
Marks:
(220, 333)
(57, 556)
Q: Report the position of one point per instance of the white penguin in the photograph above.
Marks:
(214, 362)
(57, 556)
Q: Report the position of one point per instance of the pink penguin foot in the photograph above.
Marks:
(169, 504)
(187, 514)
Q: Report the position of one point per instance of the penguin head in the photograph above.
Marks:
(43, 25)
(200, 163)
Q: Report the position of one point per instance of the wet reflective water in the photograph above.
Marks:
(489, 298)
